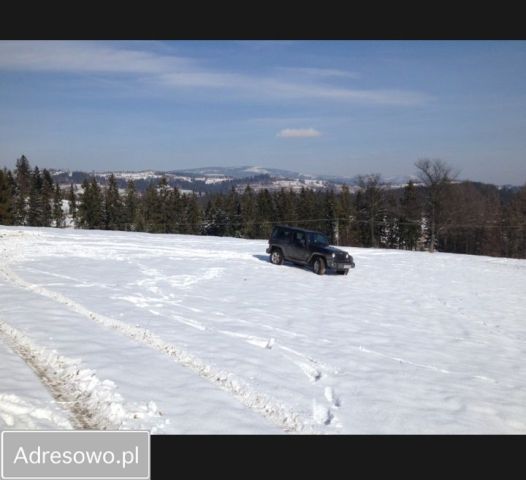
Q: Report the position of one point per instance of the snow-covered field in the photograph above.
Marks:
(189, 334)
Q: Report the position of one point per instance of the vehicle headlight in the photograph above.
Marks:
(333, 255)
(347, 256)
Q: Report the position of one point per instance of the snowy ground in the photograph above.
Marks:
(188, 334)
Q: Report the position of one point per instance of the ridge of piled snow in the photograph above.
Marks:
(92, 403)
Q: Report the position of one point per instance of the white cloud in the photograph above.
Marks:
(298, 133)
(319, 72)
(82, 57)
(177, 72)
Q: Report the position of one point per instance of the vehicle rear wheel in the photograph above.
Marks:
(319, 266)
(276, 257)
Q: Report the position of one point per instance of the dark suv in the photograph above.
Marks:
(307, 247)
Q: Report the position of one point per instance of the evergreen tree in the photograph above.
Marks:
(58, 212)
(47, 198)
(72, 202)
(232, 210)
(113, 208)
(216, 218)
(176, 211)
(248, 213)
(23, 187)
(307, 209)
(150, 209)
(331, 225)
(193, 215)
(6, 199)
(90, 212)
(286, 207)
(131, 207)
(165, 214)
(35, 211)
(370, 203)
(265, 215)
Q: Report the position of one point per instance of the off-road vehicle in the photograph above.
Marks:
(307, 247)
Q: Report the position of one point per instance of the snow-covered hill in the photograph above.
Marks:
(189, 334)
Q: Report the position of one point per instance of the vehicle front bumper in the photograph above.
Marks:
(335, 264)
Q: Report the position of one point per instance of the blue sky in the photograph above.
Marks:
(333, 107)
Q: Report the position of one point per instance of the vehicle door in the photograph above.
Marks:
(298, 247)
(282, 237)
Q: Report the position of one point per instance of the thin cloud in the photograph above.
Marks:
(175, 72)
(319, 72)
(81, 57)
(298, 133)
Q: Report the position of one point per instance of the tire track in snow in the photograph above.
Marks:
(280, 414)
(92, 404)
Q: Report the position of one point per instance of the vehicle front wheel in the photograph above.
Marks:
(276, 257)
(342, 272)
(319, 266)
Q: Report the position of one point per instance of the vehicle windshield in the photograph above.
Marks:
(318, 239)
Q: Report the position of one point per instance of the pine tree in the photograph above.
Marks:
(6, 199)
(58, 212)
(150, 210)
(232, 210)
(216, 219)
(131, 207)
(286, 207)
(91, 209)
(23, 187)
(264, 214)
(307, 210)
(193, 215)
(47, 198)
(72, 202)
(113, 208)
(331, 227)
(176, 211)
(35, 211)
(370, 205)
(248, 213)
(165, 214)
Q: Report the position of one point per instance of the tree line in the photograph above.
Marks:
(436, 213)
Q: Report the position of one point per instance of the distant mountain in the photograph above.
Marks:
(243, 172)
(219, 179)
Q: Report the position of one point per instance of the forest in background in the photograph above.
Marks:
(437, 213)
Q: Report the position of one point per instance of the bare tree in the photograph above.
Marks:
(436, 175)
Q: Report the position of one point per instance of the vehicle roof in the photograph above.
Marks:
(298, 229)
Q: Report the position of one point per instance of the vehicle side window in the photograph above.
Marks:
(299, 237)
(281, 235)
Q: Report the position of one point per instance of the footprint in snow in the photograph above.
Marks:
(331, 397)
(312, 373)
(321, 414)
